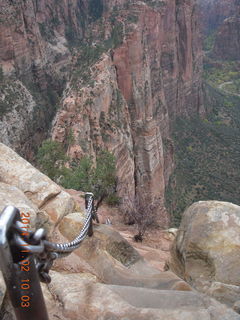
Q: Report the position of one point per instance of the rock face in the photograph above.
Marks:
(128, 69)
(227, 43)
(134, 92)
(206, 250)
(34, 59)
(221, 19)
(28, 182)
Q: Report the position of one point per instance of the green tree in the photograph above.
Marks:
(100, 178)
(51, 158)
(80, 177)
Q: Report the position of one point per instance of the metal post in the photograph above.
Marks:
(87, 196)
(19, 272)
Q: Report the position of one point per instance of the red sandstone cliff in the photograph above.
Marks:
(34, 58)
(128, 69)
(134, 91)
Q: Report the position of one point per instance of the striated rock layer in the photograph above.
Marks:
(136, 90)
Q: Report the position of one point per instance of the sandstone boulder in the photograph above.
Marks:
(71, 224)
(10, 195)
(59, 206)
(206, 251)
(37, 187)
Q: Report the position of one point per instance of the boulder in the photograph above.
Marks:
(224, 293)
(206, 251)
(10, 195)
(83, 298)
(37, 187)
(71, 224)
(59, 206)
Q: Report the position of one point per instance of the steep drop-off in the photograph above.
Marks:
(127, 98)
(207, 149)
(119, 72)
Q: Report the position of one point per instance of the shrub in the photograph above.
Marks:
(141, 212)
(100, 179)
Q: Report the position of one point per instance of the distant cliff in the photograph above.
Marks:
(213, 13)
(119, 72)
(227, 42)
(220, 23)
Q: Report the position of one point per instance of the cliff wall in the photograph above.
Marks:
(114, 73)
(34, 58)
(227, 42)
(127, 101)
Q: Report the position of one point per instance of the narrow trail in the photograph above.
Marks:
(156, 244)
(222, 87)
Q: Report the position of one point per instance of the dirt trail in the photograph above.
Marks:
(222, 87)
(156, 244)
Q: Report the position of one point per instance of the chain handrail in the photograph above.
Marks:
(46, 252)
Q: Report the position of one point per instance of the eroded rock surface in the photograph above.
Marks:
(45, 194)
(206, 251)
(82, 298)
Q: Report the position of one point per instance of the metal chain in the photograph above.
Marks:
(46, 252)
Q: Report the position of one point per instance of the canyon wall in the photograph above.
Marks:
(227, 42)
(213, 12)
(34, 58)
(119, 72)
(220, 22)
(134, 91)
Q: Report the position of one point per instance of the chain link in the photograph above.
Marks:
(44, 251)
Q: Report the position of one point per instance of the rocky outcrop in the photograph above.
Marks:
(227, 42)
(206, 250)
(220, 20)
(28, 182)
(213, 13)
(134, 91)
